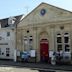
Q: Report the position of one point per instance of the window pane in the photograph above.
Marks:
(59, 47)
(67, 48)
(30, 39)
(8, 33)
(0, 51)
(27, 31)
(59, 40)
(66, 39)
(58, 34)
(7, 55)
(7, 48)
(66, 33)
(7, 52)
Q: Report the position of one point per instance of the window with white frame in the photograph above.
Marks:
(25, 43)
(8, 34)
(59, 42)
(63, 41)
(59, 47)
(66, 41)
(7, 52)
(28, 42)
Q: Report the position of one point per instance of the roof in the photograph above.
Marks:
(4, 22)
(48, 5)
(54, 13)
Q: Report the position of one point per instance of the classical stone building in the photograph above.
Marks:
(47, 28)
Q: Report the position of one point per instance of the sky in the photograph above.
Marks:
(17, 7)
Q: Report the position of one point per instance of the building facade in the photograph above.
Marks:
(45, 29)
(7, 43)
(8, 36)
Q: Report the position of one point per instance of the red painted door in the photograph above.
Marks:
(44, 50)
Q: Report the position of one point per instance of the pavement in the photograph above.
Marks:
(40, 66)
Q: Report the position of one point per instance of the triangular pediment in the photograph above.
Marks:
(45, 13)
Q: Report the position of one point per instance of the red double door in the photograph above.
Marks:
(44, 50)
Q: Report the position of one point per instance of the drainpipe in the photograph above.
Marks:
(15, 50)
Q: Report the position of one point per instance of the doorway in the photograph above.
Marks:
(44, 50)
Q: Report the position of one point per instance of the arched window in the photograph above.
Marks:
(66, 42)
(30, 42)
(59, 38)
(66, 37)
(25, 43)
(63, 41)
(59, 42)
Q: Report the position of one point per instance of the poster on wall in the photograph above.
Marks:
(18, 53)
(50, 53)
(32, 53)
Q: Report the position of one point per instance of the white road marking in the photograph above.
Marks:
(2, 69)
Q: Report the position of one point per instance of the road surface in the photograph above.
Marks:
(24, 69)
